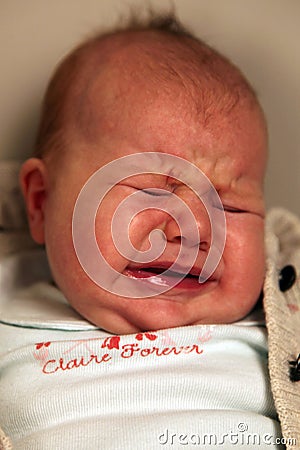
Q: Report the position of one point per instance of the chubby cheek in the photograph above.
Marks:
(65, 267)
(119, 240)
(244, 261)
(60, 249)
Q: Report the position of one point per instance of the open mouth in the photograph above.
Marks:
(152, 271)
(164, 277)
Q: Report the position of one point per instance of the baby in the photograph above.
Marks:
(154, 90)
(151, 91)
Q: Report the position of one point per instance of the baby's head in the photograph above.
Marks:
(151, 89)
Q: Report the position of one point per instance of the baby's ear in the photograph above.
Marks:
(33, 181)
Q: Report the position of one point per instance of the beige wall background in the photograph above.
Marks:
(260, 36)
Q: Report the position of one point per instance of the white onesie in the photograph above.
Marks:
(64, 384)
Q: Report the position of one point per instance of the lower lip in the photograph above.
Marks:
(187, 283)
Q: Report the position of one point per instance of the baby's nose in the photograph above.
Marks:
(180, 228)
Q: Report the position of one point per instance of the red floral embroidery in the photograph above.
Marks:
(112, 342)
(42, 344)
(205, 337)
(149, 336)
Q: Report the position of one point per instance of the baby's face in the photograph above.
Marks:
(229, 148)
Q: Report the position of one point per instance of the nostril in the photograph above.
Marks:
(204, 245)
(178, 239)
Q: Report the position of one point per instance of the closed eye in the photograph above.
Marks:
(234, 210)
(157, 192)
(230, 209)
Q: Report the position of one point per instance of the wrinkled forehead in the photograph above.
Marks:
(153, 65)
(135, 83)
